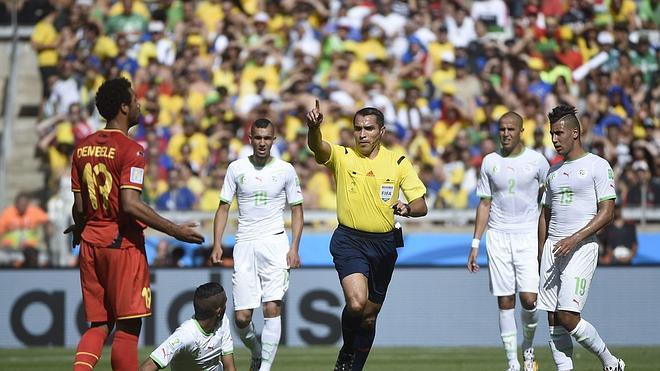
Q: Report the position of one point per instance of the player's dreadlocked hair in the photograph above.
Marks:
(111, 95)
(204, 309)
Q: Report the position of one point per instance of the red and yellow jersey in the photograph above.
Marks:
(103, 164)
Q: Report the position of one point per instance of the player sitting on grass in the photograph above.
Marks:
(202, 342)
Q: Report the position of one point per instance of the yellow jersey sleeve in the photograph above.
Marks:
(412, 187)
(333, 162)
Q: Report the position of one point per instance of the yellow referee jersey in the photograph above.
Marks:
(367, 188)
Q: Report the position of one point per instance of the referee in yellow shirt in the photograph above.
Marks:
(369, 177)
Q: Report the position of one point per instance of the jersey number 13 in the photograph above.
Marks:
(97, 184)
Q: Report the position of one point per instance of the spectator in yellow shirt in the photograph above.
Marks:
(44, 40)
(210, 12)
(198, 142)
(211, 196)
(258, 69)
(452, 195)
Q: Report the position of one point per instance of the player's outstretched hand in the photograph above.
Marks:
(76, 232)
(401, 209)
(187, 233)
(565, 246)
(314, 117)
(216, 254)
(472, 265)
(292, 259)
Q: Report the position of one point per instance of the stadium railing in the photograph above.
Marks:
(642, 215)
(9, 93)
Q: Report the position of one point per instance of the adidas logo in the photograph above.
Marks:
(370, 173)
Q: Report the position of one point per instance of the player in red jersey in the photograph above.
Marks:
(106, 178)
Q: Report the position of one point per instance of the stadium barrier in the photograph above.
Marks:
(424, 307)
(437, 248)
(454, 217)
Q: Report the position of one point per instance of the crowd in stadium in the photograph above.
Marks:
(443, 72)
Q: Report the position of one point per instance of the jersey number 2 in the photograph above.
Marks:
(512, 186)
(92, 179)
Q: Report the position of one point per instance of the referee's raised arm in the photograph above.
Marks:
(321, 149)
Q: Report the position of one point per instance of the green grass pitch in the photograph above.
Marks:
(381, 359)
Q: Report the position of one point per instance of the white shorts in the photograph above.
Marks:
(565, 280)
(512, 262)
(260, 271)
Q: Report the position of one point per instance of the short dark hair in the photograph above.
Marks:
(21, 194)
(111, 95)
(566, 112)
(261, 124)
(371, 111)
(204, 308)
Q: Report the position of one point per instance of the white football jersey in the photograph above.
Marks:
(573, 191)
(262, 194)
(191, 348)
(513, 185)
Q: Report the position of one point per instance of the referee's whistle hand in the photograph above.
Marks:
(401, 209)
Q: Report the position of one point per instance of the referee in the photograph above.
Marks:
(369, 177)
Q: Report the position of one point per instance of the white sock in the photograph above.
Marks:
(509, 336)
(529, 320)
(561, 346)
(270, 339)
(586, 334)
(249, 338)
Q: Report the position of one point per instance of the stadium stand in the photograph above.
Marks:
(442, 71)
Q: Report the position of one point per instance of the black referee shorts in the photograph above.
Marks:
(372, 254)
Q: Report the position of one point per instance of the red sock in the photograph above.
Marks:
(124, 356)
(89, 349)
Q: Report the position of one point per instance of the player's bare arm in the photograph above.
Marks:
(148, 365)
(481, 220)
(219, 223)
(603, 217)
(415, 208)
(544, 223)
(228, 362)
(292, 257)
(321, 149)
(78, 214)
(132, 204)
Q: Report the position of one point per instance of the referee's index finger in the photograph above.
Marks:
(317, 104)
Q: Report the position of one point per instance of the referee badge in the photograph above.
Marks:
(386, 192)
